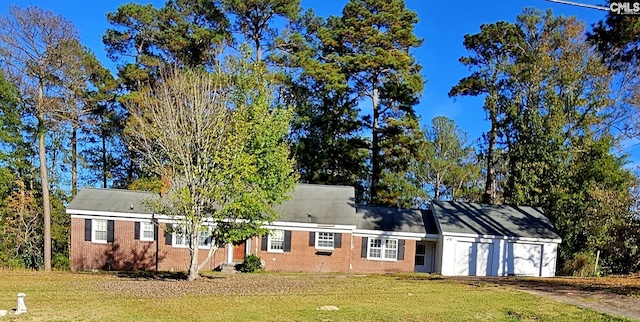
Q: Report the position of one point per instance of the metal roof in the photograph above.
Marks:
(393, 219)
(495, 220)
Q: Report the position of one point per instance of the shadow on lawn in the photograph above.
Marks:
(159, 276)
(150, 275)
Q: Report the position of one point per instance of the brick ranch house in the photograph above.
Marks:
(321, 230)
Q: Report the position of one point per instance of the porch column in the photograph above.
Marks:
(229, 253)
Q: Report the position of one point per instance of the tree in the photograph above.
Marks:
(447, 167)
(145, 40)
(329, 148)
(253, 18)
(617, 39)
(491, 50)
(81, 69)
(369, 49)
(550, 93)
(34, 47)
(221, 143)
(182, 33)
(104, 149)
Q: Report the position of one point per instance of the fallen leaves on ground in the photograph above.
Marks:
(236, 284)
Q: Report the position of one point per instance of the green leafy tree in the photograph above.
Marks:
(20, 219)
(104, 149)
(554, 124)
(490, 50)
(329, 148)
(448, 166)
(222, 143)
(327, 133)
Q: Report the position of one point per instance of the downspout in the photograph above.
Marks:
(351, 253)
(156, 237)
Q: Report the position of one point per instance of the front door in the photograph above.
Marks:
(425, 256)
(239, 251)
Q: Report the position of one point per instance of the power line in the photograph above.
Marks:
(578, 4)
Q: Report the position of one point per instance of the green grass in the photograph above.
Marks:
(273, 297)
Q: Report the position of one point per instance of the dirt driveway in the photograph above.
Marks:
(618, 296)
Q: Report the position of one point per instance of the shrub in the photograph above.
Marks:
(582, 264)
(60, 262)
(251, 264)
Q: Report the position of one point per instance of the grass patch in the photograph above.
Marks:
(62, 296)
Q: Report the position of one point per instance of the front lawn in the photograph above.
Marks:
(273, 297)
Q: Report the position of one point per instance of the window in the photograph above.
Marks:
(180, 239)
(146, 231)
(382, 248)
(324, 240)
(99, 231)
(204, 240)
(276, 241)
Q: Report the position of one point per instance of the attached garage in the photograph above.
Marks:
(494, 240)
(527, 259)
(473, 258)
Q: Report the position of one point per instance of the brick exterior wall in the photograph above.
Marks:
(346, 259)
(364, 265)
(305, 258)
(127, 253)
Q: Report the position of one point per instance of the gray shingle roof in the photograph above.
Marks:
(320, 204)
(111, 200)
(496, 220)
(392, 219)
(335, 205)
(309, 203)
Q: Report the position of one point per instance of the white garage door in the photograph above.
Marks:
(473, 259)
(525, 259)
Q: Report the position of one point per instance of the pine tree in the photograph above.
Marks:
(369, 51)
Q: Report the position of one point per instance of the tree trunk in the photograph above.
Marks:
(74, 161)
(436, 193)
(212, 252)
(258, 51)
(375, 150)
(489, 195)
(103, 133)
(46, 208)
(193, 250)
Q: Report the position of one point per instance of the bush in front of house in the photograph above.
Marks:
(251, 264)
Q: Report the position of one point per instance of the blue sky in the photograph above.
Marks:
(442, 25)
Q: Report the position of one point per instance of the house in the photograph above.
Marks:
(321, 229)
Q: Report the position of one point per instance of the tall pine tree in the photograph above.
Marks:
(369, 50)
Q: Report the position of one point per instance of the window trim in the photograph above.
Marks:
(94, 229)
(270, 238)
(333, 240)
(142, 230)
(383, 248)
